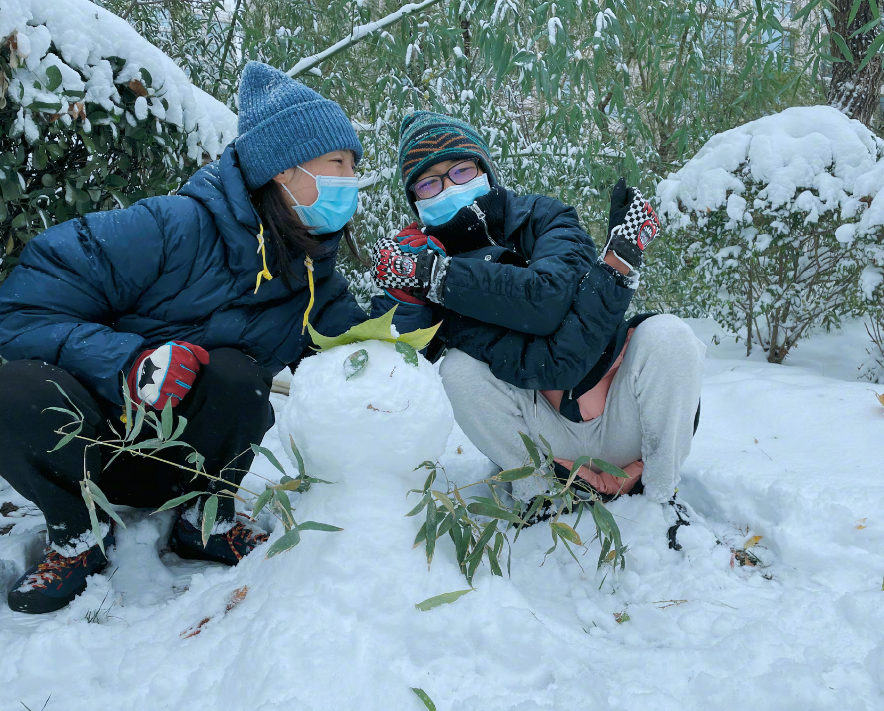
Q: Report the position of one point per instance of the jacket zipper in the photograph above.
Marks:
(481, 215)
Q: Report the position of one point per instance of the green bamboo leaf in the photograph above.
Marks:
(430, 531)
(532, 450)
(258, 449)
(93, 518)
(872, 51)
(422, 695)
(210, 512)
(167, 419)
(515, 474)
(298, 457)
(609, 468)
(487, 533)
(262, 501)
(579, 462)
(420, 507)
(483, 509)
(547, 445)
(445, 526)
(443, 599)
(284, 506)
(172, 503)
(355, 363)
(288, 541)
(420, 338)
(493, 562)
(865, 28)
(376, 329)
(315, 526)
(421, 536)
(566, 532)
(67, 438)
(408, 353)
(100, 499)
(127, 411)
(61, 409)
(445, 501)
(139, 423)
(842, 45)
(853, 11)
(287, 484)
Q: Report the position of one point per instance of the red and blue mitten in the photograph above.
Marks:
(165, 373)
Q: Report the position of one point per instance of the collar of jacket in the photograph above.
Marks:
(518, 210)
(221, 189)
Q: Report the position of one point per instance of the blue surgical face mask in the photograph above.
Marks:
(333, 207)
(440, 209)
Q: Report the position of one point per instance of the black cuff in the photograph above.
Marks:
(621, 279)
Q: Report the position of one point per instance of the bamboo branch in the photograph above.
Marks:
(357, 35)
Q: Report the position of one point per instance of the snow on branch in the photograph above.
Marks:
(357, 35)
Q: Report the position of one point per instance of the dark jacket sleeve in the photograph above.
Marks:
(532, 300)
(558, 361)
(60, 303)
(408, 317)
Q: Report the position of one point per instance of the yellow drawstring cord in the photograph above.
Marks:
(309, 264)
(265, 273)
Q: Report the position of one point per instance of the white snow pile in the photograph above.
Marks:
(790, 454)
(809, 160)
(83, 36)
(363, 408)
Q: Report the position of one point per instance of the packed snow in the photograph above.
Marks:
(812, 159)
(791, 454)
(85, 35)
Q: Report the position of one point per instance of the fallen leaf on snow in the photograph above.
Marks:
(236, 597)
(752, 542)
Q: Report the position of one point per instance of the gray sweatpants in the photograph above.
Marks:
(649, 412)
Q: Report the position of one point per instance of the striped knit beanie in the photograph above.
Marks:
(427, 138)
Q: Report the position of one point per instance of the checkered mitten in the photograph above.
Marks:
(395, 269)
(632, 225)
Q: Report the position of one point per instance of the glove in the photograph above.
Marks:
(410, 266)
(165, 373)
(413, 240)
(632, 225)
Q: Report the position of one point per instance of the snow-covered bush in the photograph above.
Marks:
(776, 226)
(92, 117)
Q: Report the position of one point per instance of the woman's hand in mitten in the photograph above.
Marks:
(632, 225)
(165, 373)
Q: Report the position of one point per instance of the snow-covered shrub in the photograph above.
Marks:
(776, 225)
(91, 117)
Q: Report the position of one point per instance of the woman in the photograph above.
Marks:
(528, 308)
(198, 298)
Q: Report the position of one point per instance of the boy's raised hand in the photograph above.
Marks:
(632, 225)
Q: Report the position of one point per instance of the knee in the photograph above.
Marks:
(669, 338)
(236, 375)
(462, 376)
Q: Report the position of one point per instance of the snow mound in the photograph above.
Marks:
(808, 159)
(85, 36)
(390, 415)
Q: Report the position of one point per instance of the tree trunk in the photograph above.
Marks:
(852, 91)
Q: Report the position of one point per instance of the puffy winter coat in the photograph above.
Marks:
(91, 294)
(538, 308)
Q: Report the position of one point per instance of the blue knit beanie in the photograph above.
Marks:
(283, 123)
(427, 138)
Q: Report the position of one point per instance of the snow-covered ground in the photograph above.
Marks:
(793, 454)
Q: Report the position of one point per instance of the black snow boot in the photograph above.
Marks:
(228, 548)
(55, 580)
(681, 519)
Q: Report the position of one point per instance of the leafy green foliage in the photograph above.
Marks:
(480, 529)
(66, 157)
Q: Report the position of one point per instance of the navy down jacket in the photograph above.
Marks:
(538, 308)
(91, 294)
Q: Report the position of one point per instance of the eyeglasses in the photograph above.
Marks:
(432, 185)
